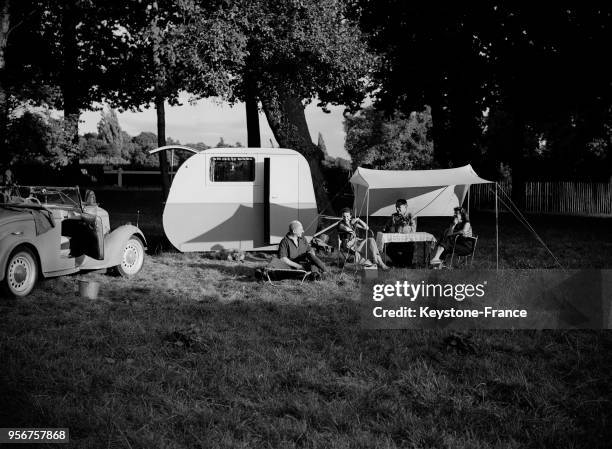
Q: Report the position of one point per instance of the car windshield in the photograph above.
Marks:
(46, 196)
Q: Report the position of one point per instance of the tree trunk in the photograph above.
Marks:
(70, 83)
(517, 159)
(464, 129)
(285, 113)
(517, 162)
(439, 133)
(4, 31)
(161, 141)
(252, 117)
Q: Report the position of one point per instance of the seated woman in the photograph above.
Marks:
(347, 230)
(459, 230)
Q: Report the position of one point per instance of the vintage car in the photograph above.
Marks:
(50, 231)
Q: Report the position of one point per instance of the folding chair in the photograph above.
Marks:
(278, 271)
(285, 273)
(461, 254)
(359, 261)
(344, 254)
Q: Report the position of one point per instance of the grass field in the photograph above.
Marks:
(196, 353)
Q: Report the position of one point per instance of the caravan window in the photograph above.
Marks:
(232, 169)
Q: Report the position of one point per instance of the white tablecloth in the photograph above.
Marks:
(383, 238)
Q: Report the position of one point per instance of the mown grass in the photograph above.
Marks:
(196, 353)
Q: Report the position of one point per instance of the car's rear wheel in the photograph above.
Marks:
(21, 272)
(132, 259)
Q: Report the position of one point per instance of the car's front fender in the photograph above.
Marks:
(23, 232)
(114, 244)
(7, 244)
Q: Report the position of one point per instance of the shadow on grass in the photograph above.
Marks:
(197, 353)
(276, 371)
(236, 271)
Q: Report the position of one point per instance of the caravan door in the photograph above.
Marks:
(282, 189)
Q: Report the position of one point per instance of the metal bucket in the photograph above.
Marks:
(370, 272)
(89, 289)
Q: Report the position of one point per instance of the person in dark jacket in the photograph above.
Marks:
(295, 251)
(402, 222)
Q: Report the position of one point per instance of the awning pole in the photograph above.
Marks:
(469, 185)
(496, 232)
(367, 222)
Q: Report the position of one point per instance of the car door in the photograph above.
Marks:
(93, 242)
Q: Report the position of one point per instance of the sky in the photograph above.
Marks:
(209, 120)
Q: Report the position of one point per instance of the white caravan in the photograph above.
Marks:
(238, 198)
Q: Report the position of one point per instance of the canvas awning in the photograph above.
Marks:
(429, 193)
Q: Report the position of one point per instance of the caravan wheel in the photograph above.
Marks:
(133, 257)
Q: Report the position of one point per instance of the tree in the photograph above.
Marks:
(172, 47)
(91, 146)
(298, 51)
(5, 21)
(56, 56)
(541, 68)
(222, 144)
(397, 143)
(199, 146)
(251, 103)
(430, 54)
(109, 130)
(81, 44)
(144, 142)
(20, 75)
(321, 145)
(40, 139)
(551, 81)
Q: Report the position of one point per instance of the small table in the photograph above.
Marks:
(382, 238)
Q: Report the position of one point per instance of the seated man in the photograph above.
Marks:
(295, 251)
(402, 222)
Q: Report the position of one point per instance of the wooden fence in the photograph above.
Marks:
(564, 198)
(120, 172)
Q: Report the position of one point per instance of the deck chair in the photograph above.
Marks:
(344, 254)
(276, 270)
(461, 254)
